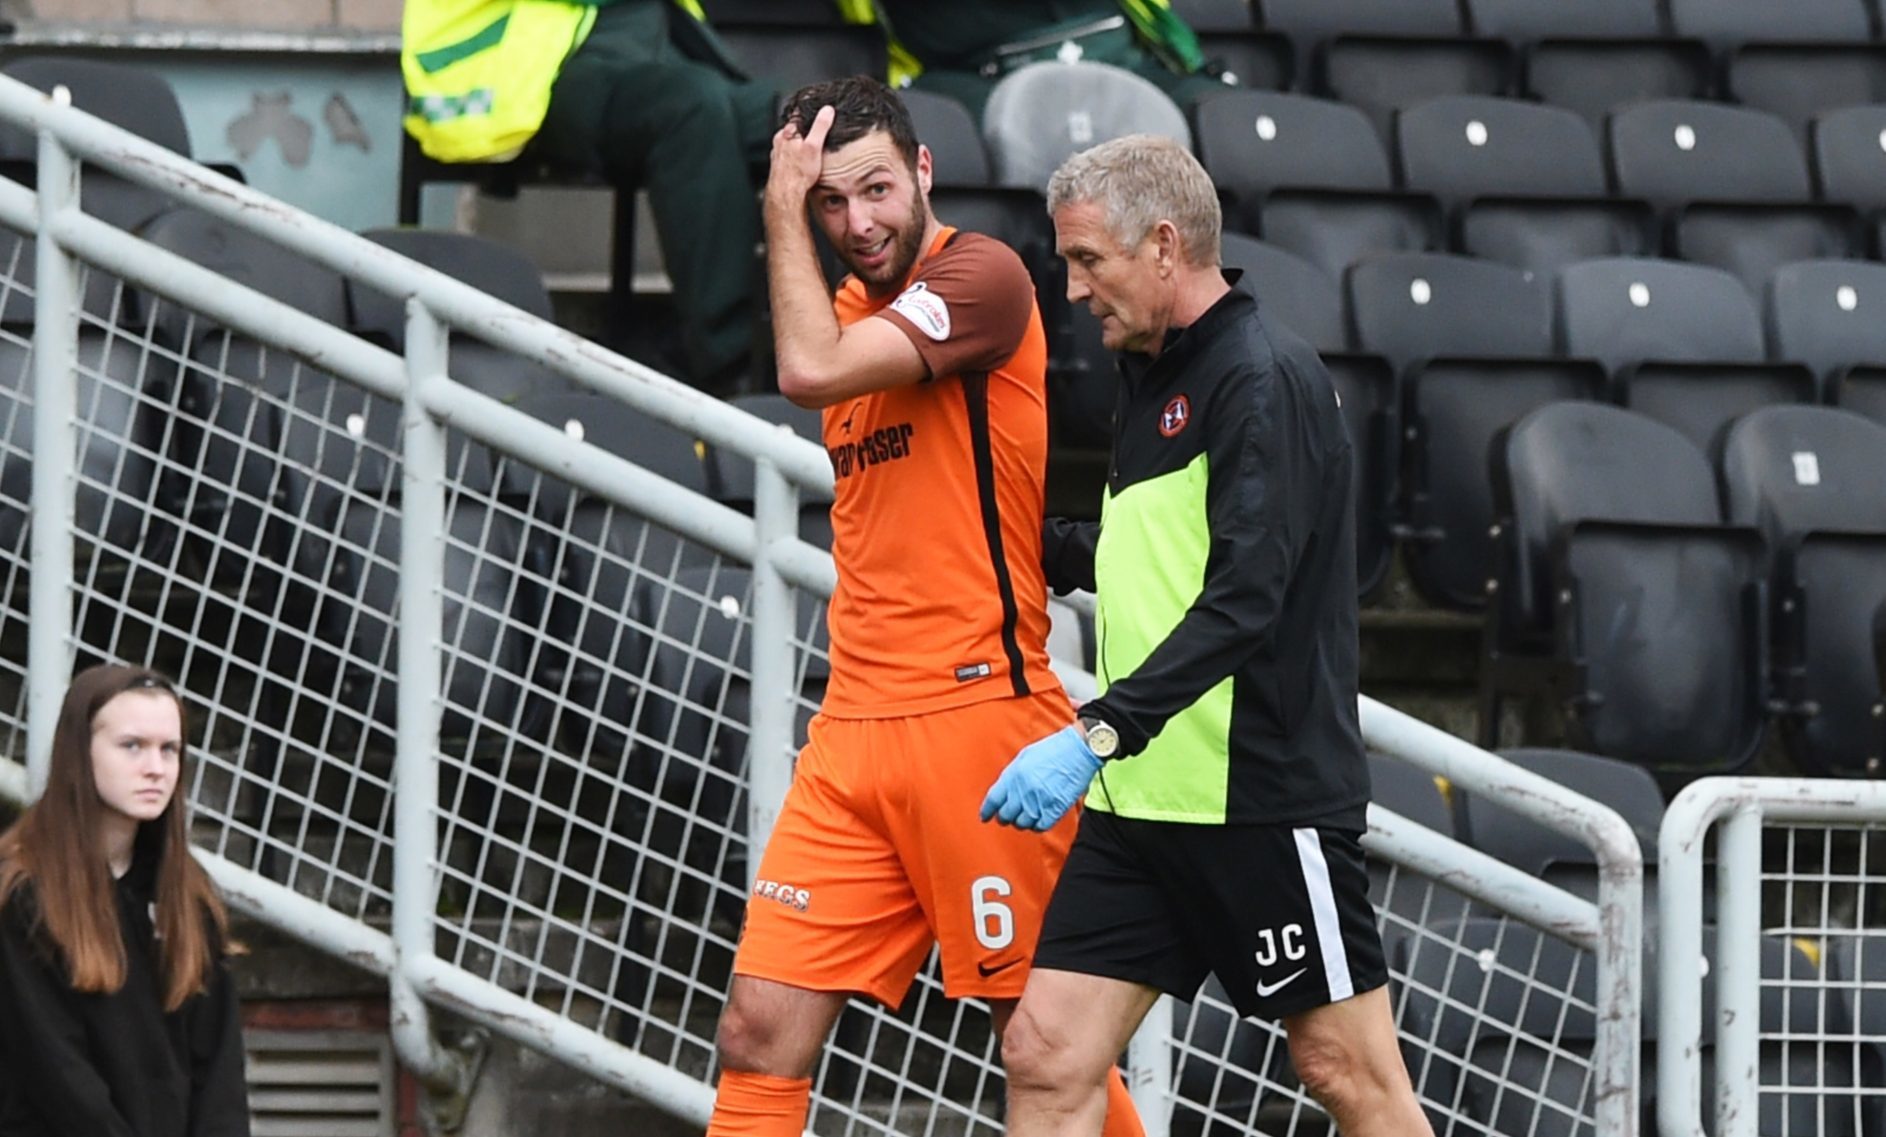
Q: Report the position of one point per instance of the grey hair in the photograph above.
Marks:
(1139, 180)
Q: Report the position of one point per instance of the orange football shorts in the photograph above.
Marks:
(879, 851)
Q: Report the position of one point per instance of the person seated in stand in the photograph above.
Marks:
(640, 92)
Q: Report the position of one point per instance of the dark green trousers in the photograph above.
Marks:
(632, 105)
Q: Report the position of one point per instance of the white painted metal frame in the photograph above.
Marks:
(1737, 810)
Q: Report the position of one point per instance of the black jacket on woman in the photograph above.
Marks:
(87, 1065)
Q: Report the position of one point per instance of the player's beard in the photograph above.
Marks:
(906, 247)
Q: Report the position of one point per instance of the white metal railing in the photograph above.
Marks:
(1793, 1050)
(539, 812)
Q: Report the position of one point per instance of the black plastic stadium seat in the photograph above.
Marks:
(1460, 147)
(1830, 315)
(235, 407)
(1412, 307)
(1814, 479)
(1622, 599)
(1252, 142)
(1381, 57)
(485, 265)
(1546, 853)
(1454, 409)
(1861, 390)
(1249, 58)
(1317, 20)
(1371, 409)
(1849, 148)
(1080, 401)
(1040, 115)
(493, 582)
(1544, 234)
(730, 475)
(1291, 290)
(1796, 81)
(1524, 21)
(135, 98)
(1480, 995)
(1593, 57)
(1310, 175)
(1233, 45)
(1383, 75)
(1702, 400)
(1416, 795)
(1598, 77)
(1625, 310)
(124, 397)
(604, 554)
(1526, 182)
(1336, 228)
(1736, 185)
(957, 154)
(1673, 151)
(1726, 22)
(796, 55)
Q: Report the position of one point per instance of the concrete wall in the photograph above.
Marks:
(258, 15)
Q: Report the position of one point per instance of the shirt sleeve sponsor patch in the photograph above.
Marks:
(925, 309)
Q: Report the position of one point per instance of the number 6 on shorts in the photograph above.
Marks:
(995, 921)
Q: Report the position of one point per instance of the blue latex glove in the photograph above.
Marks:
(1043, 782)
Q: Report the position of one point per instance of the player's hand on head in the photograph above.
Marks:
(798, 157)
(1042, 782)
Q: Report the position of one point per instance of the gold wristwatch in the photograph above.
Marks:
(1102, 739)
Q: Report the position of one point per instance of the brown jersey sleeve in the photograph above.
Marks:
(968, 308)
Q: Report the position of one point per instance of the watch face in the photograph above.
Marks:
(1102, 739)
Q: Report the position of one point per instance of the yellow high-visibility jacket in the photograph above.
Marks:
(479, 72)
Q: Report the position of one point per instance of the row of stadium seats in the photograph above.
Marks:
(1382, 57)
(1529, 185)
(1674, 606)
(1823, 315)
(1521, 21)
(1513, 1011)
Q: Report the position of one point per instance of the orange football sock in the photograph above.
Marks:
(1122, 1116)
(760, 1105)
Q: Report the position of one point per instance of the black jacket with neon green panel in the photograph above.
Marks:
(1225, 566)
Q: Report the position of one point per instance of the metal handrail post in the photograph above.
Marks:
(1738, 969)
(775, 688)
(49, 649)
(415, 769)
(1149, 1068)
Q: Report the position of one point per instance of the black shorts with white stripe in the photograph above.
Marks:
(1281, 914)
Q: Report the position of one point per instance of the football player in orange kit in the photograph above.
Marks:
(930, 365)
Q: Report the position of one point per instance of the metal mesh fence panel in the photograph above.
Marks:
(239, 524)
(1496, 1022)
(1823, 973)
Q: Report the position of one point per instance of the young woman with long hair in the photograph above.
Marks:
(118, 1016)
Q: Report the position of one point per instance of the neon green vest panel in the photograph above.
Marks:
(1151, 557)
(479, 72)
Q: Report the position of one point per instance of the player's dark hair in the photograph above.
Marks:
(863, 104)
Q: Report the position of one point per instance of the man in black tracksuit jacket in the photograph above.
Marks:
(1223, 767)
